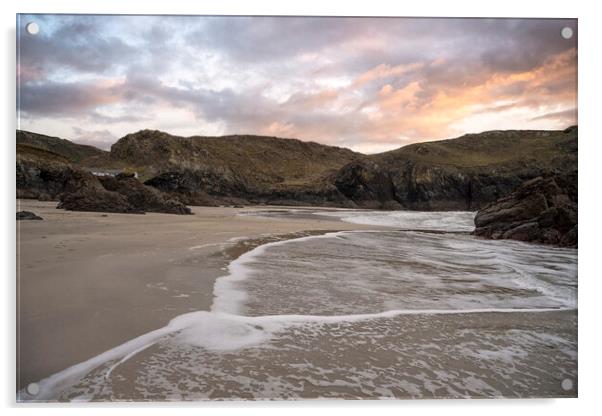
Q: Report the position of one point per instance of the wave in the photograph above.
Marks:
(451, 221)
(216, 331)
(377, 272)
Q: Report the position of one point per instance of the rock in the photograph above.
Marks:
(367, 185)
(91, 201)
(84, 192)
(213, 188)
(141, 197)
(125, 175)
(570, 238)
(465, 173)
(474, 170)
(542, 210)
(40, 179)
(27, 215)
(528, 231)
(187, 187)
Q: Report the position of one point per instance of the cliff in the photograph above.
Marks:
(466, 173)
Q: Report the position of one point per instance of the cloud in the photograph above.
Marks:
(98, 138)
(565, 116)
(66, 98)
(367, 83)
(78, 44)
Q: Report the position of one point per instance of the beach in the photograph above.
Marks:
(272, 303)
(297, 207)
(89, 281)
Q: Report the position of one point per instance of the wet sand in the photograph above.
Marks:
(91, 281)
(485, 355)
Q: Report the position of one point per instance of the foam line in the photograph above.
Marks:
(398, 312)
(127, 357)
(51, 386)
(225, 328)
(227, 298)
(433, 220)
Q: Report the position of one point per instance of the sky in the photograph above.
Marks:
(369, 84)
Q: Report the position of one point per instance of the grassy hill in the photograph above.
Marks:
(74, 153)
(25, 151)
(463, 173)
(472, 170)
(491, 149)
(267, 160)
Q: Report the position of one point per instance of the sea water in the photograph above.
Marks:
(421, 310)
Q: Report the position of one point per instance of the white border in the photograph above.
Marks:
(589, 159)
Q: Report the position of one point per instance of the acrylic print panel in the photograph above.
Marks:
(225, 208)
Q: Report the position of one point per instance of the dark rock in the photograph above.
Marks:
(415, 185)
(367, 185)
(187, 187)
(40, 180)
(474, 170)
(142, 197)
(542, 210)
(95, 201)
(211, 188)
(569, 239)
(84, 192)
(125, 175)
(27, 215)
(425, 187)
(465, 173)
(321, 193)
(528, 231)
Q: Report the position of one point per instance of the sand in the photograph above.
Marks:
(88, 282)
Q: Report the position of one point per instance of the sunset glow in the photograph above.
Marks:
(371, 84)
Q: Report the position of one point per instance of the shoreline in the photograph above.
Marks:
(90, 281)
(227, 237)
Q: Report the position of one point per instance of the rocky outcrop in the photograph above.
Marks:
(27, 215)
(323, 194)
(472, 171)
(239, 160)
(207, 187)
(542, 210)
(240, 169)
(123, 194)
(423, 187)
(141, 197)
(367, 184)
(84, 192)
(426, 187)
(465, 173)
(40, 174)
(190, 187)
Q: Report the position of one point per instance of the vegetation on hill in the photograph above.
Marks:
(498, 148)
(73, 152)
(267, 160)
(471, 171)
(456, 174)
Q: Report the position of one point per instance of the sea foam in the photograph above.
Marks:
(450, 221)
(229, 327)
